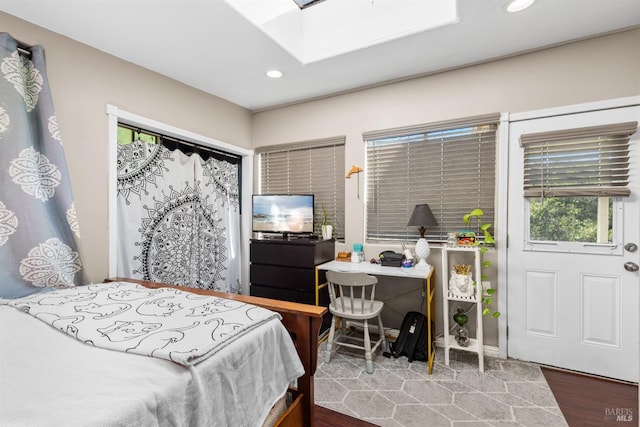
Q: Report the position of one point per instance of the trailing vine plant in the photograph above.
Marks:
(486, 294)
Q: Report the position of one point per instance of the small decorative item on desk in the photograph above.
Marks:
(390, 259)
(466, 238)
(452, 239)
(358, 254)
(407, 261)
(462, 335)
(344, 256)
(461, 283)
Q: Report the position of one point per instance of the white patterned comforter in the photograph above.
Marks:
(48, 378)
(167, 323)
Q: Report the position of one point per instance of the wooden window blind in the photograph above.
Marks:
(590, 161)
(307, 167)
(448, 165)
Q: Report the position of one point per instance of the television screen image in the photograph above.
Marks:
(283, 213)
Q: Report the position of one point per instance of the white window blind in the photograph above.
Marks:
(448, 165)
(310, 167)
(590, 161)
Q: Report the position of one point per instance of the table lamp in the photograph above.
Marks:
(422, 218)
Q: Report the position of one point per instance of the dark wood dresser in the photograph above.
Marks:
(285, 269)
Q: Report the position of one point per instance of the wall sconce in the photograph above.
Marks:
(355, 169)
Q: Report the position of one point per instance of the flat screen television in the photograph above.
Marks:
(282, 214)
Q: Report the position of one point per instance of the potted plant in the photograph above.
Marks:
(487, 294)
(462, 335)
(326, 228)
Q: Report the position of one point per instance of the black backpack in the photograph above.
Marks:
(412, 339)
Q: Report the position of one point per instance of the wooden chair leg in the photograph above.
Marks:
(385, 344)
(327, 356)
(367, 346)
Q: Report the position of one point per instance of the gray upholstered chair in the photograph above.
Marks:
(352, 298)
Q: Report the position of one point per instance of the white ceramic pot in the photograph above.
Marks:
(461, 285)
(327, 232)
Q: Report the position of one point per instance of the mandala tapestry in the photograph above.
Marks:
(178, 217)
(38, 223)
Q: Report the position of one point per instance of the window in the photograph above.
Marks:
(574, 180)
(448, 165)
(308, 167)
(128, 134)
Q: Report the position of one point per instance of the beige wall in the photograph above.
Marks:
(592, 70)
(83, 81)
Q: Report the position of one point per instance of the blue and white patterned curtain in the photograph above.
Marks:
(38, 224)
(178, 218)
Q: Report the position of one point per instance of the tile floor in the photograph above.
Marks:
(403, 394)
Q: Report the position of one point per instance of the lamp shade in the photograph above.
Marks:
(422, 217)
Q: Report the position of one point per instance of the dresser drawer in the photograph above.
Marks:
(283, 294)
(302, 254)
(296, 279)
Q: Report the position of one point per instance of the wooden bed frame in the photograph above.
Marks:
(303, 323)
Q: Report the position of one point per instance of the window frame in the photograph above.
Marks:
(336, 206)
(612, 248)
(117, 115)
(454, 211)
(608, 177)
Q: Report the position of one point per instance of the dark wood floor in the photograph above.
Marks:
(592, 401)
(584, 401)
(328, 418)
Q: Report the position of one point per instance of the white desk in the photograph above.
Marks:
(379, 270)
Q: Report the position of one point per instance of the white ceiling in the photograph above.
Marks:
(209, 45)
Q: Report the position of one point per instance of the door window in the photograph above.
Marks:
(574, 182)
(586, 224)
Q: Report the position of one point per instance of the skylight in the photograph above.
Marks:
(334, 27)
(306, 3)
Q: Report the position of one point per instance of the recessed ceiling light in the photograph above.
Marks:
(518, 5)
(274, 74)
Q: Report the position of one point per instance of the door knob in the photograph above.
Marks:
(631, 266)
(631, 247)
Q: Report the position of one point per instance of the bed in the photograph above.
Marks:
(50, 378)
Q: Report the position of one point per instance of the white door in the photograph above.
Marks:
(573, 304)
